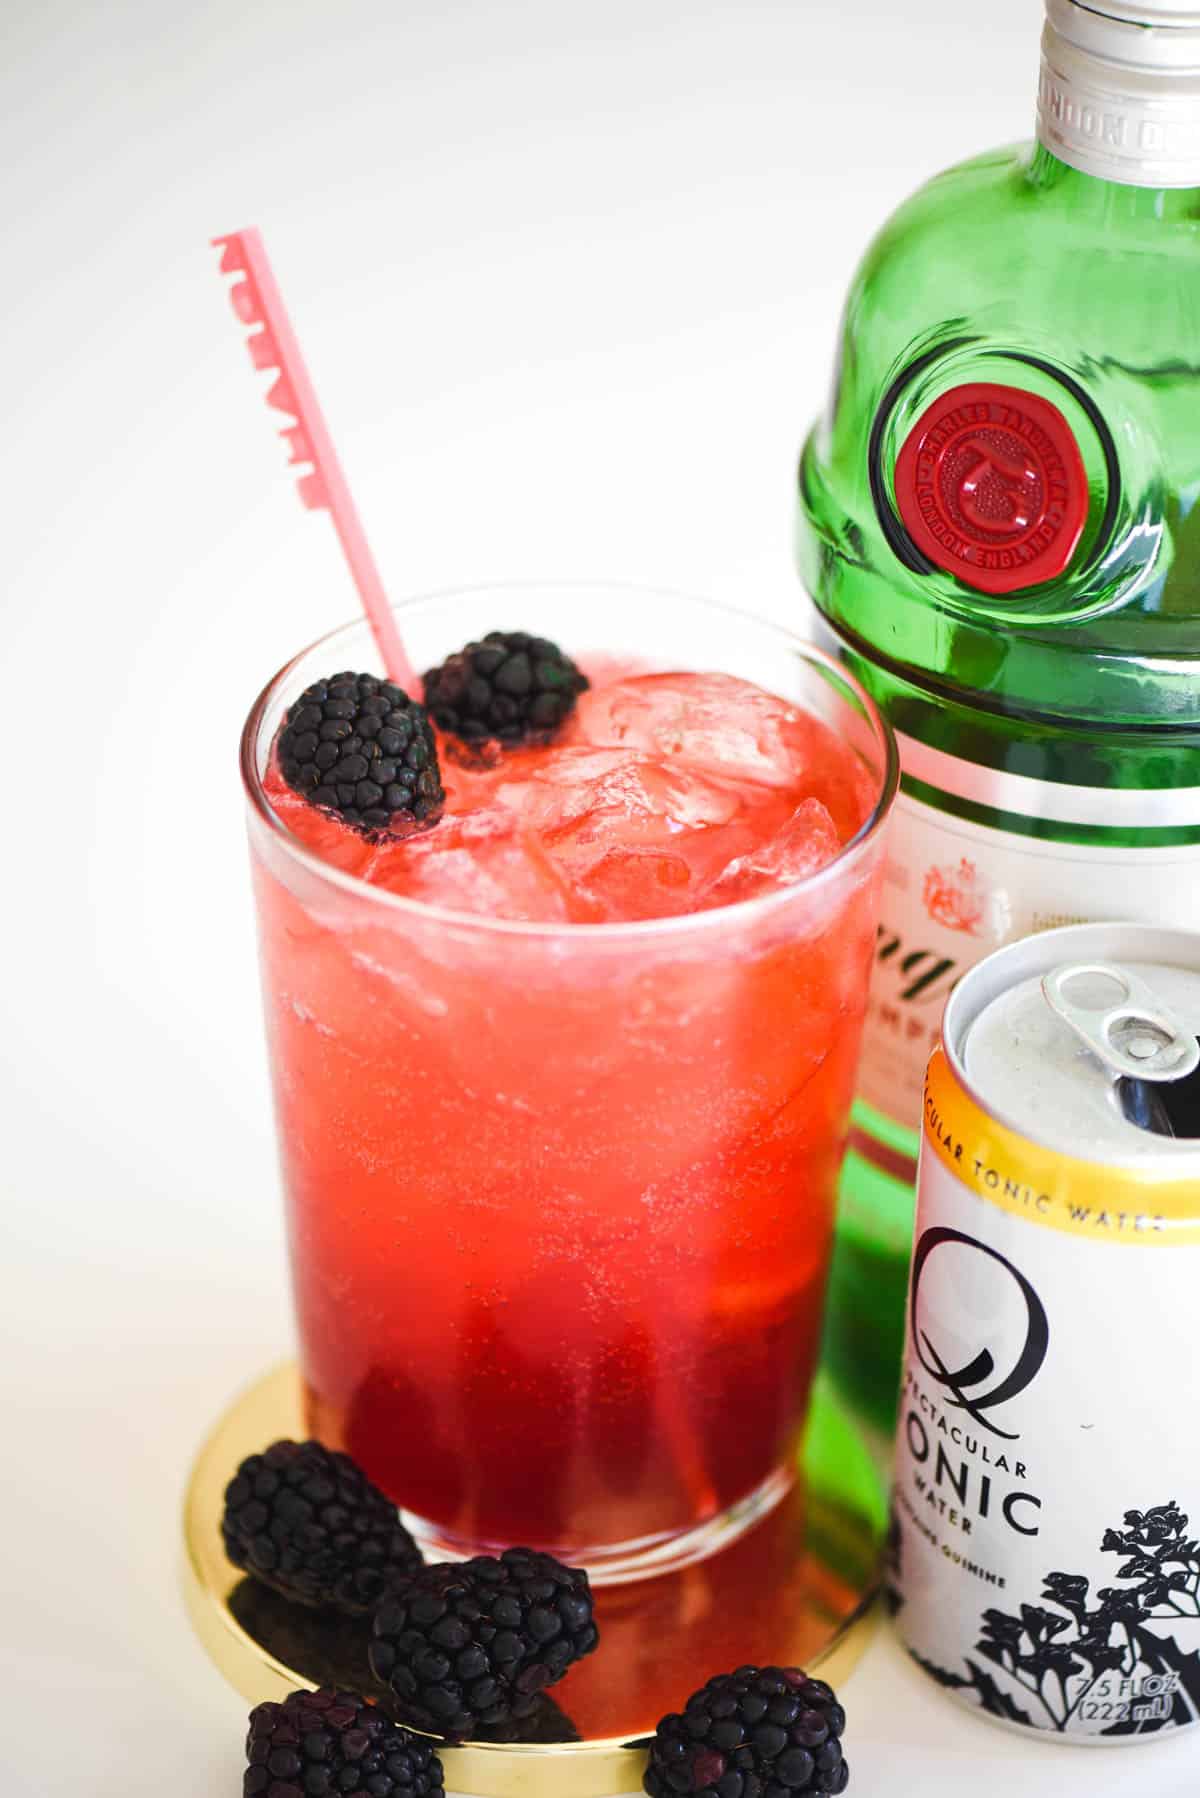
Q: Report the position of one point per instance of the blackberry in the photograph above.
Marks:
(469, 1646)
(362, 748)
(510, 686)
(762, 1732)
(329, 1744)
(310, 1523)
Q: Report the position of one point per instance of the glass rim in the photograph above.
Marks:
(622, 930)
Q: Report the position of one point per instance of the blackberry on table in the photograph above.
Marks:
(329, 1744)
(471, 1645)
(310, 1523)
(359, 746)
(510, 686)
(763, 1732)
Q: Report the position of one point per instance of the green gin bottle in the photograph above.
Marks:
(999, 525)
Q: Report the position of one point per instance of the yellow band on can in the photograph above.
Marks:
(1140, 1205)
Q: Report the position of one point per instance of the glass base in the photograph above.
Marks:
(620, 1563)
(792, 1582)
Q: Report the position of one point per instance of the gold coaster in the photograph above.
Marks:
(797, 1589)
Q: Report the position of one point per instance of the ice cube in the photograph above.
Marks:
(637, 883)
(629, 836)
(484, 863)
(710, 721)
(626, 796)
(728, 729)
(805, 844)
(499, 881)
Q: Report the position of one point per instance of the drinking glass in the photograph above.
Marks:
(560, 1196)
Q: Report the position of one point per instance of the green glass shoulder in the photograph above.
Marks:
(1016, 268)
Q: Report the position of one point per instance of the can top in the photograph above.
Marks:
(1101, 1067)
(1124, 1021)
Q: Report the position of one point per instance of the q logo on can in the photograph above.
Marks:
(975, 1376)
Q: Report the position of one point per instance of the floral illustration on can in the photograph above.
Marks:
(1092, 1663)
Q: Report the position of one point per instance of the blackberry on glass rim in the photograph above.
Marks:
(510, 686)
(358, 746)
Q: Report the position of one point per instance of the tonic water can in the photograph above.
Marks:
(1044, 1562)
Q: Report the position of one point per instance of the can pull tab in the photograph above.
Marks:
(1123, 1021)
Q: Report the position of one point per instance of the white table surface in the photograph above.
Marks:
(567, 276)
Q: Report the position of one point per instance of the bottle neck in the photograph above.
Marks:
(1120, 101)
(1108, 201)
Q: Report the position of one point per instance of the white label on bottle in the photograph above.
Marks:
(955, 890)
(1047, 1490)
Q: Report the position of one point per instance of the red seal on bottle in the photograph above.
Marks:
(991, 487)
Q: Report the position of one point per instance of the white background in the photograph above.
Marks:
(567, 276)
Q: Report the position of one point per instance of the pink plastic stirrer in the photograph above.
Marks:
(257, 301)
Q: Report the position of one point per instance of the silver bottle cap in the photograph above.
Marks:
(1120, 89)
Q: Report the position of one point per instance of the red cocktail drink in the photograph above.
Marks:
(562, 1083)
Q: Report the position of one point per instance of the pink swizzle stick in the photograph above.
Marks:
(258, 302)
